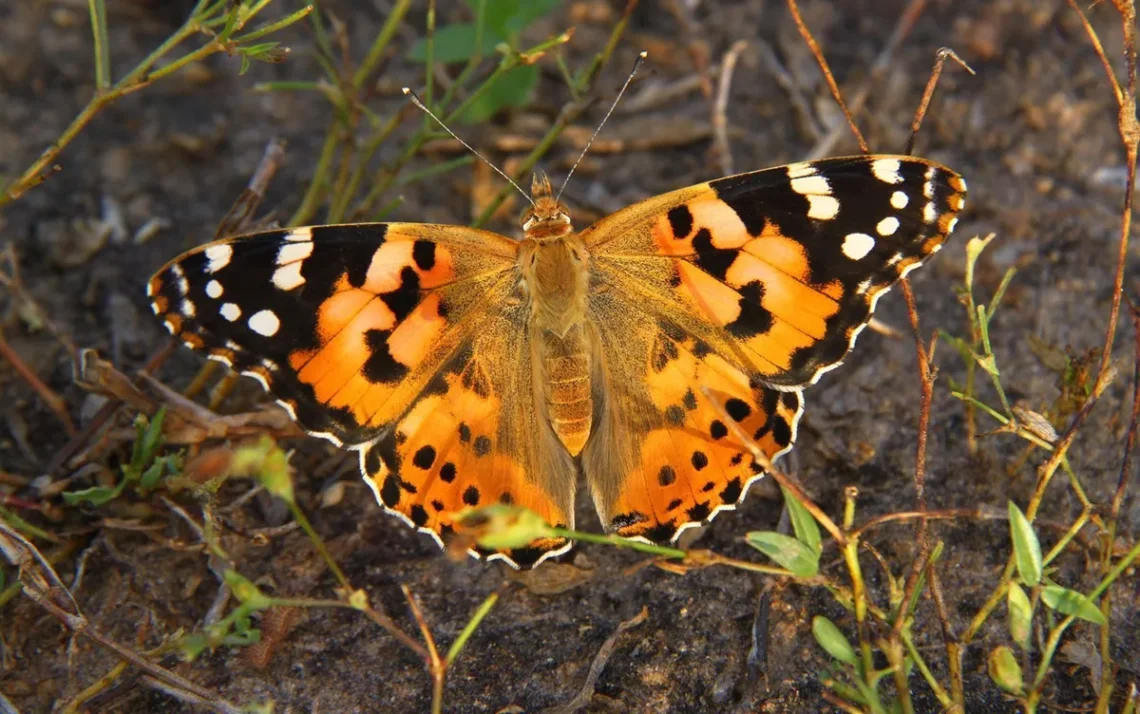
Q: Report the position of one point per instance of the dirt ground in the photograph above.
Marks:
(1033, 133)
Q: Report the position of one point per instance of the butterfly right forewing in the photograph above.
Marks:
(345, 324)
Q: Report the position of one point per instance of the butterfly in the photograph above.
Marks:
(469, 368)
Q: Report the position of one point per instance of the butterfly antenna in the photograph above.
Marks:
(636, 66)
(416, 100)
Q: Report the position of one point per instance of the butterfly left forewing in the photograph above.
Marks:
(782, 266)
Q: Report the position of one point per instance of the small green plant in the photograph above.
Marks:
(223, 22)
(144, 472)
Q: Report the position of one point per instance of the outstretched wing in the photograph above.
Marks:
(375, 336)
(478, 436)
(752, 285)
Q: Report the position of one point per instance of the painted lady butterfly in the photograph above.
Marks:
(468, 368)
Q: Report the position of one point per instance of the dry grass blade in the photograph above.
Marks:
(721, 150)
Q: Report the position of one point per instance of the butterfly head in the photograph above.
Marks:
(547, 217)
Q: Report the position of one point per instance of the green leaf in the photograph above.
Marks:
(150, 438)
(512, 88)
(1020, 615)
(787, 551)
(1071, 602)
(502, 527)
(269, 463)
(454, 43)
(1004, 670)
(988, 363)
(193, 645)
(832, 640)
(974, 248)
(153, 475)
(246, 592)
(510, 16)
(1026, 548)
(803, 523)
(96, 495)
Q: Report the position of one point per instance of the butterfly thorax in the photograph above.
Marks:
(554, 266)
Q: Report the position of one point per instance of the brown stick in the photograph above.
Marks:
(928, 93)
(55, 403)
(793, 6)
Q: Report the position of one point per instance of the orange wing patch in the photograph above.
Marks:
(452, 451)
(691, 466)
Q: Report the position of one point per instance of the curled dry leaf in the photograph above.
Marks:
(1036, 424)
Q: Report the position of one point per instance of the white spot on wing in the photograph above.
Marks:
(799, 170)
(214, 289)
(299, 234)
(823, 208)
(887, 170)
(187, 308)
(230, 311)
(288, 277)
(929, 213)
(154, 308)
(169, 326)
(293, 252)
(180, 281)
(264, 323)
(218, 256)
(899, 200)
(857, 245)
(887, 226)
(950, 226)
(811, 185)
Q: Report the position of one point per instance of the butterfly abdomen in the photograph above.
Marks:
(555, 273)
(566, 387)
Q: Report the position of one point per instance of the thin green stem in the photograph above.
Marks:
(275, 26)
(287, 86)
(924, 670)
(637, 545)
(376, 52)
(315, 191)
(429, 62)
(469, 629)
(435, 170)
(102, 50)
(319, 544)
(1117, 570)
